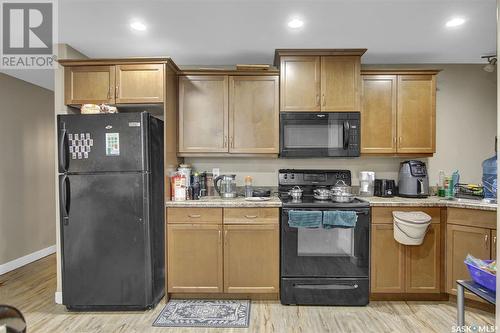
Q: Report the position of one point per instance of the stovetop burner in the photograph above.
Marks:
(308, 180)
(308, 201)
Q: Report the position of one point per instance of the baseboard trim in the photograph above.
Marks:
(58, 297)
(29, 258)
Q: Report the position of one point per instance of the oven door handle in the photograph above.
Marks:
(326, 286)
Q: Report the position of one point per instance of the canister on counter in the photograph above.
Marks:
(185, 169)
(210, 184)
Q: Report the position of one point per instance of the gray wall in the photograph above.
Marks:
(27, 197)
(466, 127)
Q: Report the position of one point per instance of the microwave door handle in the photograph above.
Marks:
(347, 128)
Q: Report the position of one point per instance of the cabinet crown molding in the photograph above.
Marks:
(119, 61)
(315, 52)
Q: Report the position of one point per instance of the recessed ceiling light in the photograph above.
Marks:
(139, 26)
(455, 22)
(295, 23)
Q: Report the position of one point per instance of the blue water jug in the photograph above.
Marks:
(490, 177)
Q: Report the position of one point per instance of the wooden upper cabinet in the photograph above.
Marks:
(300, 83)
(251, 258)
(460, 241)
(194, 258)
(254, 114)
(141, 83)
(379, 114)
(423, 264)
(89, 84)
(416, 114)
(203, 114)
(340, 83)
(387, 261)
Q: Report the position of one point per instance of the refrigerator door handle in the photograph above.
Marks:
(63, 195)
(63, 151)
(68, 195)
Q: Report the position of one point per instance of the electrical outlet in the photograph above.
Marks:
(216, 172)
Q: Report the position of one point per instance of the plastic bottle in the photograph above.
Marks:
(442, 176)
(490, 177)
(248, 187)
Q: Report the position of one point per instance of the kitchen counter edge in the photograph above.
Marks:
(374, 202)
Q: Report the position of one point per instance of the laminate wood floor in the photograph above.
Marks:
(31, 289)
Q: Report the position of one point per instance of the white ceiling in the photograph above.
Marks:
(247, 31)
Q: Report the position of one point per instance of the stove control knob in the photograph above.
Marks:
(293, 176)
(285, 176)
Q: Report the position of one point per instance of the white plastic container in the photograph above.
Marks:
(410, 227)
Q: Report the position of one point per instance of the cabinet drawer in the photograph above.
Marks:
(194, 215)
(472, 217)
(383, 215)
(251, 215)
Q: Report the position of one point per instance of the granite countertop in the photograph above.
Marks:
(216, 202)
(374, 202)
(430, 202)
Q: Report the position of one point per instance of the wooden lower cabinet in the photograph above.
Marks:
(251, 258)
(387, 261)
(462, 240)
(494, 244)
(404, 269)
(194, 258)
(423, 263)
(215, 251)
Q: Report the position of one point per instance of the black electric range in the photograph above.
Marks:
(323, 266)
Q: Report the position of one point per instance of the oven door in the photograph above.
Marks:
(325, 134)
(327, 253)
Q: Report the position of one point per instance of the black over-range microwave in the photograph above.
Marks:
(323, 134)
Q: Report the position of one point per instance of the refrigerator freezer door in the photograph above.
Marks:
(105, 241)
(103, 142)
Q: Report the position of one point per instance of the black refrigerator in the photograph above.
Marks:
(111, 196)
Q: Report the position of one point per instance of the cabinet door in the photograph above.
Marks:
(194, 258)
(423, 272)
(340, 83)
(203, 113)
(387, 261)
(251, 258)
(300, 83)
(139, 83)
(254, 114)
(416, 114)
(89, 84)
(494, 244)
(378, 116)
(460, 241)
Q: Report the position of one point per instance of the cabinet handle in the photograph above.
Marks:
(317, 100)
(231, 141)
(225, 141)
(117, 89)
(194, 216)
(220, 236)
(225, 237)
(486, 239)
(251, 216)
(495, 240)
(109, 92)
(324, 100)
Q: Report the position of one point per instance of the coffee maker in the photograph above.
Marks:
(413, 180)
